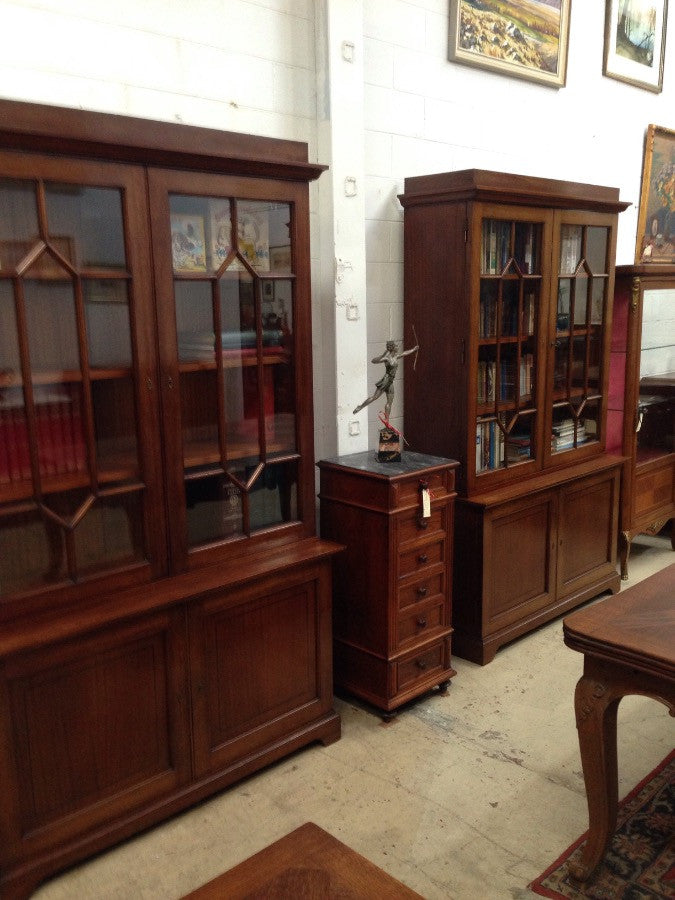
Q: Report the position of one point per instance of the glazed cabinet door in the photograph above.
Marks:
(261, 668)
(93, 729)
(579, 336)
(510, 286)
(587, 532)
(232, 278)
(80, 484)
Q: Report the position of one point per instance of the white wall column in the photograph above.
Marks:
(341, 210)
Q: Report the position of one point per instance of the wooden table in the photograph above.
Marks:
(628, 642)
(310, 864)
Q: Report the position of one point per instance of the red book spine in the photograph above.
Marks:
(5, 473)
(58, 437)
(78, 437)
(67, 436)
(21, 443)
(45, 439)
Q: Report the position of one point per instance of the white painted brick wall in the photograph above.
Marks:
(250, 66)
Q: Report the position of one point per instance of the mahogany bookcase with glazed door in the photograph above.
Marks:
(508, 283)
(165, 603)
(641, 417)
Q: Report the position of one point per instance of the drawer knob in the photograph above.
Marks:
(421, 664)
(422, 558)
(422, 591)
(422, 622)
(422, 522)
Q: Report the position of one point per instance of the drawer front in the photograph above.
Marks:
(420, 623)
(654, 491)
(439, 483)
(412, 527)
(421, 558)
(421, 590)
(422, 666)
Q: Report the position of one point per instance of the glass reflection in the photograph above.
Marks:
(18, 220)
(32, 552)
(107, 316)
(52, 331)
(214, 509)
(88, 222)
(596, 249)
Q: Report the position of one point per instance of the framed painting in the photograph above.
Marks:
(635, 42)
(656, 217)
(524, 38)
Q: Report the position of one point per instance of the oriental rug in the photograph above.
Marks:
(640, 861)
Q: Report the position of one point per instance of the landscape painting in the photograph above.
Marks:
(635, 40)
(523, 38)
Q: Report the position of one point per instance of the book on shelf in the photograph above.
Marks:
(518, 447)
(59, 435)
(486, 381)
(563, 436)
(488, 317)
(489, 446)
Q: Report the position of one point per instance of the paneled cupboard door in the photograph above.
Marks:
(79, 478)
(229, 324)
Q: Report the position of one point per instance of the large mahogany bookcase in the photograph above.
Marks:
(508, 285)
(165, 603)
(642, 399)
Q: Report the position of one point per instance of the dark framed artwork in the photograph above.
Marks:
(523, 38)
(635, 42)
(656, 217)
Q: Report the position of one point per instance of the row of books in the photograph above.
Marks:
(562, 437)
(489, 446)
(493, 448)
(496, 247)
(487, 380)
(60, 439)
(509, 316)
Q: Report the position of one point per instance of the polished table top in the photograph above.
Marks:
(635, 627)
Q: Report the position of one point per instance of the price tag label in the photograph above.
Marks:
(426, 503)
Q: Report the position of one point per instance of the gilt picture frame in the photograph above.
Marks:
(522, 38)
(656, 215)
(635, 42)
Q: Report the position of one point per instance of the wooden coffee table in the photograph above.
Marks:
(628, 642)
(310, 864)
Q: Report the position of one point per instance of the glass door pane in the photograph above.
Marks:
(579, 334)
(71, 492)
(508, 322)
(234, 307)
(655, 415)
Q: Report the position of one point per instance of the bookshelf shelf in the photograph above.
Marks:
(525, 302)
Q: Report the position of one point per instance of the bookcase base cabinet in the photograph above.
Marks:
(521, 560)
(111, 730)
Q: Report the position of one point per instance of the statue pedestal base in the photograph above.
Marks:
(389, 449)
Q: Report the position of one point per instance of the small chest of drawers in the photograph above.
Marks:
(393, 582)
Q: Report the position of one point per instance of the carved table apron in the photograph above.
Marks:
(628, 642)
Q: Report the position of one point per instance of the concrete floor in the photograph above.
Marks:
(467, 796)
